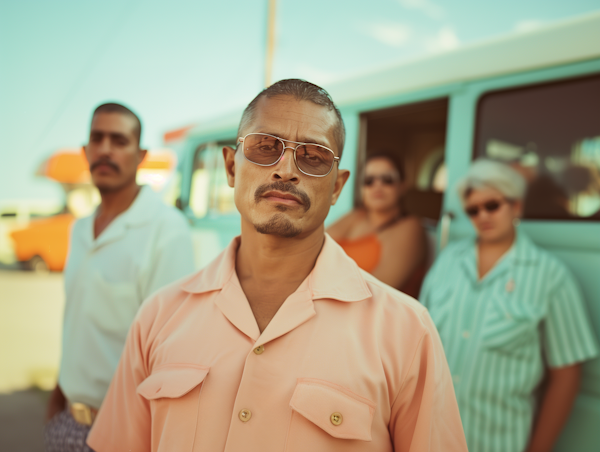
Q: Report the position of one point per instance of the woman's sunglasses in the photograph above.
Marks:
(386, 179)
(489, 207)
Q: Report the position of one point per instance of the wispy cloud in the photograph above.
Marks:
(389, 33)
(528, 25)
(427, 7)
(446, 39)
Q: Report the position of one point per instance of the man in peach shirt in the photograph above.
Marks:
(282, 343)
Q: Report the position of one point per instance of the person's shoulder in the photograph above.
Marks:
(343, 224)
(162, 304)
(170, 217)
(79, 225)
(392, 300)
(407, 227)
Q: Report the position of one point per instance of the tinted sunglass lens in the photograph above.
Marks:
(369, 180)
(491, 206)
(472, 211)
(314, 159)
(388, 179)
(262, 149)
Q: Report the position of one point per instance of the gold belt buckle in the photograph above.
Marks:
(81, 413)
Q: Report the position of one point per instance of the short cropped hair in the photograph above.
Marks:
(118, 108)
(301, 90)
(485, 173)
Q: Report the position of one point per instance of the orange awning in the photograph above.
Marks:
(69, 166)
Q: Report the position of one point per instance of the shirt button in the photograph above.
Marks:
(258, 350)
(245, 415)
(466, 334)
(336, 418)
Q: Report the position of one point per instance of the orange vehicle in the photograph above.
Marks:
(44, 243)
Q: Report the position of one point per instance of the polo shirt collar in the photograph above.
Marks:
(335, 275)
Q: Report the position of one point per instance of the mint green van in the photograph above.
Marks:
(530, 98)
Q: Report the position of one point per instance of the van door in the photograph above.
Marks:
(550, 132)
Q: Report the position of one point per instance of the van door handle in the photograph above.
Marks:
(445, 229)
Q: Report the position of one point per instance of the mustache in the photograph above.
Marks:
(284, 187)
(110, 163)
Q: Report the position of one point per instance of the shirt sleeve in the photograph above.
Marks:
(174, 260)
(425, 414)
(123, 422)
(568, 337)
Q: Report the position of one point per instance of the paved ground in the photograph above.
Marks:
(31, 308)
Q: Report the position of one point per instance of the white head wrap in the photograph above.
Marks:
(485, 173)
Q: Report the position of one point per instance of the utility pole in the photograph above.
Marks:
(270, 51)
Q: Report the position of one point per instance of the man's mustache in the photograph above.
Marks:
(110, 163)
(284, 187)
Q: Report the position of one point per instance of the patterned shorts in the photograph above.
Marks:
(63, 434)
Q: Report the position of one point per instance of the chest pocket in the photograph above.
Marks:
(173, 391)
(510, 325)
(328, 413)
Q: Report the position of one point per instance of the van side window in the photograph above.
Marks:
(209, 194)
(551, 134)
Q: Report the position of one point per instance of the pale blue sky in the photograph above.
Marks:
(182, 61)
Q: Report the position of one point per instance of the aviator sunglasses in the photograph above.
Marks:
(489, 207)
(385, 179)
(311, 159)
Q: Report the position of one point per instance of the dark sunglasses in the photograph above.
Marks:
(489, 207)
(386, 179)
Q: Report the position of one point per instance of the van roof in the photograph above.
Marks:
(564, 42)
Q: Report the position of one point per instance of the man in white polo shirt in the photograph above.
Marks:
(133, 245)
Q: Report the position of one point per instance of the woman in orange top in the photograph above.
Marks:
(379, 235)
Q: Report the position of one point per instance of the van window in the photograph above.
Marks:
(209, 194)
(551, 134)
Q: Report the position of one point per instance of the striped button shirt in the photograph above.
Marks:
(499, 334)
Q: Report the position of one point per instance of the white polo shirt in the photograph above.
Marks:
(106, 279)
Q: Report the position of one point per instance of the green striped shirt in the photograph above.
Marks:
(500, 333)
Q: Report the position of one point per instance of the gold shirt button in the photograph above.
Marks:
(258, 350)
(336, 418)
(245, 415)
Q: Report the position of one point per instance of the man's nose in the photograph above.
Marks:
(104, 147)
(286, 169)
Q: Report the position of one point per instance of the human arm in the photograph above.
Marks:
(404, 249)
(123, 422)
(557, 401)
(56, 403)
(424, 413)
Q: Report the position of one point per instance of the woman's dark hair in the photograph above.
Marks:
(390, 157)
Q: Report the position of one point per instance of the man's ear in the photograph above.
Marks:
(142, 155)
(84, 153)
(340, 181)
(229, 157)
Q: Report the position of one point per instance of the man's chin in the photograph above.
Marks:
(278, 225)
(105, 186)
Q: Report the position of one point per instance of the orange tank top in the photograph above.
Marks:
(366, 252)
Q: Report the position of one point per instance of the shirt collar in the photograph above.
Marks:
(142, 209)
(522, 252)
(335, 275)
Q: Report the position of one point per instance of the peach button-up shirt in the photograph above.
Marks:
(346, 364)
